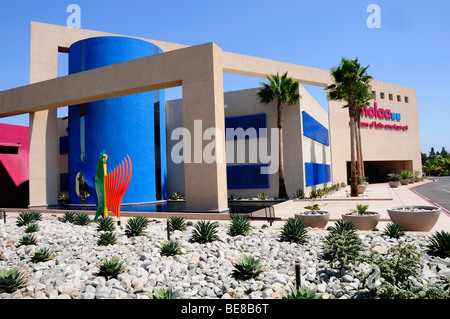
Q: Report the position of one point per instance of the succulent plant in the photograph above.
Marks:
(294, 230)
(27, 217)
(302, 292)
(177, 223)
(439, 244)
(82, 219)
(300, 194)
(106, 224)
(11, 280)
(32, 227)
(41, 255)
(136, 226)
(240, 225)
(107, 238)
(170, 248)
(394, 230)
(160, 293)
(247, 267)
(111, 268)
(205, 231)
(28, 239)
(69, 217)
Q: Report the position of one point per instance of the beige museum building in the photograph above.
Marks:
(316, 141)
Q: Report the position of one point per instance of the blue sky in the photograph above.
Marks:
(411, 48)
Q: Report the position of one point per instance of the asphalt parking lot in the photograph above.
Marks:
(438, 192)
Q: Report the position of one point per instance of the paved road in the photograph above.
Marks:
(438, 192)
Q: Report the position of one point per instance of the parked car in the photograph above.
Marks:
(433, 172)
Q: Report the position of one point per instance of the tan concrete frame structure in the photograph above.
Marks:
(198, 69)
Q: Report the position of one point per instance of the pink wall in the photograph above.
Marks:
(16, 165)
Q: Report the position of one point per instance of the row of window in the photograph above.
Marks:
(391, 97)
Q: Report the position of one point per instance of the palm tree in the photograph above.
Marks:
(286, 92)
(351, 85)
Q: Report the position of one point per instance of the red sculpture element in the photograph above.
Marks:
(116, 184)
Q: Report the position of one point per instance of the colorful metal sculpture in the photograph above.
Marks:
(111, 187)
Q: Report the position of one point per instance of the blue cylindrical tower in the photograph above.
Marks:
(132, 124)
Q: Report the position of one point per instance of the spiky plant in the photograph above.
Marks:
(69, 217)
(300, 194)
(41, 255)
(240, 225)
(111, 268)
(107, 238)
(247, 267)
(25, 218)
(205, 231)
(302, 292)
(32, 227)
(160, 293)
(170, 248)
(28, 239)
(106, 224)
(12, 280)
(37, 216)
(341, 226)
(439, 244)
(177, 223)
(82, 219)
(294, 230)
(394, 230)
(136, 226)
(262, 196)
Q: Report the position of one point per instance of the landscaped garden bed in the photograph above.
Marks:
(215, 260)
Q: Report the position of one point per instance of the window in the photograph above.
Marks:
(374, 94)
(382, 95)
(399, 98)
(391, 97)
(247, 176)
(406, 99)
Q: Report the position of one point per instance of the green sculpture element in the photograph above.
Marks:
(100, 173)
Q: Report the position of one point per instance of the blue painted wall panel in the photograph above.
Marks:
(314, 130)
(317, 173)
(247, 176)
(255, 121)
(64, 145)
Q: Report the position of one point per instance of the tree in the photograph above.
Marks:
(444, 152)
(432, 153)
(285, 91)
(351, 84)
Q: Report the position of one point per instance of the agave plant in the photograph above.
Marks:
(111, 268)
(106, 224)
(28, 239)
(247, 267)
(41, 255)
(302, 292)
(394, 230)
(107, 238)
(136, 226)
(240, 225)
(439, 244)
(300, 194)
(177, 223)
(170, 248)
(294, 230)
(262, 196)
(160, 293)
(82, 219)
(205, 231)
(11, 280)
(69, 217)
(32, 227)
(26, 218)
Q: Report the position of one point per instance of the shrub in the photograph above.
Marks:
(107, 238)
(28, 239)
(262, 196)
(439, 244)
(361, 209)
(27, 217)
(342, 245)
(177, 223)
(32, 227)
(170, 248)
(82, 219)
(41, 255)
(177, 196)
(247, 267)
(299, 194)
(205, 231)
(111, 268)
(69, 217)
(240, 225)
(394, 230)
(136, 226)
(302, 292)
(106, 224)
(294, 230)
(11, 280)
(160, 293)
(392, 177)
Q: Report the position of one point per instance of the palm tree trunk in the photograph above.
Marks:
(281, 186)
(358, 127)
(353, 183)
(358, 150)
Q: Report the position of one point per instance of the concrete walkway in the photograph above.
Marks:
(379, 197)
